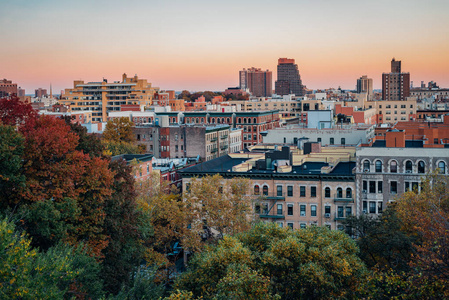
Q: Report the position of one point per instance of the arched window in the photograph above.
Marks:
(229, 120)
(378, 166)
(421, 167)
(265, 190)
(249, 120)
(222, 120)
(256, 190)
(213, 120)
(348, 192)
(244, 120)
(393, 166)
(442, 167)
(202, 120)
(366, 166)
(197, 120)
(254, 120)
(218, 120)
(240, 120)
(327, 192)
(339, 192)
(408, 166)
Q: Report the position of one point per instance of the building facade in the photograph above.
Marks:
(257, 81)
(365, 85)
(395, 85)
(288, 78)
(7, 88)
(103, 97)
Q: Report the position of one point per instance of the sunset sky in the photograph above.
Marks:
(201, 45)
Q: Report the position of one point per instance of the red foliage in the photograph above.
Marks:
(15, 112)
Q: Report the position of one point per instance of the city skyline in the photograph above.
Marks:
(202, 46)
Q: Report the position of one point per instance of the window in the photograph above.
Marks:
(393, 187)
(302, 225)
(393, 166)
(379, 187)
(340, 212)
(265, 209)
(343, 141)
(365, 186)
(313, 191)
(319, 140)
(290, 190)
(421, 167)
(365, 207)
(279, 190)
(290, 225)
(339, 192)
(327, 209)
(348, 211)
(279, 209)
(257, 208)
(265, 190)
(302, 210)
(302, 191)
(442, 167)
(408, 166)
(372, 207)
(379, 207)
(313, 210)
(372, 187)
(366, 166)
(290, 209)
(327, 192)
(331, 141)
(378, 166)
(348, 193)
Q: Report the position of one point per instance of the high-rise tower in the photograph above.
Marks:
(257, 81)
(395, 85)
(289, 80)
(365, 85)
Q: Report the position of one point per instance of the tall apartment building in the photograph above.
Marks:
(365, 85)
(103, 97)
(7, 88)
(257, 81)
(40, 93)
(289, 80)
(395, 85)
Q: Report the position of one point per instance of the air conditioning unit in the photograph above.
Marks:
(364, 211)
(365, 170)
(408, 171)
(364, 191)
(327, 215)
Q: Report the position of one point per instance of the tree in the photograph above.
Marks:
(88, 143)
(425, 215)
(312, 263)
(125, 225)
(119, 130)
(28, 274)
(220, 206)
(11, 178)
(382, 242)
(15, 112)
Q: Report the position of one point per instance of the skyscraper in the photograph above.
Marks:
(395, 85)
(289, 80)
(258, 82)
(365, 85)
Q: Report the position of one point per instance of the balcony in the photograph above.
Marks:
(214, 139)
(214, 150)
(272, 196)
(340, 216)
(341, 198)
(224, 137)
(223, 147)
(272, 217)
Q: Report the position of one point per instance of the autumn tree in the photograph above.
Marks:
(119, 130)
(15, 112)
(88, 143)
(269, 261)
(220, 206)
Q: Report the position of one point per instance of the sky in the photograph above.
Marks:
(201, 45)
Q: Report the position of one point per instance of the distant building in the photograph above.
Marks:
(365, 85)
(395, 85)
(20, 92)
(7, 88)
(103, 97)
(40, 93)
(257, 81)
(289, 80)
(142, 164)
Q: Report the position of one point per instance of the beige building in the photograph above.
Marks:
(394, 111)
(292, 187)
(103, 97)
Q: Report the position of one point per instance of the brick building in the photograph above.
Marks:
(7, 88)
(396, 84)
